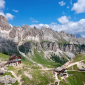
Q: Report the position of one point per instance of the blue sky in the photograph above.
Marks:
(68, 15)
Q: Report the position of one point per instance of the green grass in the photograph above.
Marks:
(20, 72)
(59, 77)
(4, 57)
(10, 68)
(8, 73)
(72, 80)
(39, 78)
(70, 68)
(83, 61)
(39, 58)
(77, 79)
(57, 59)
(79, 57)
(75, 67)
(64, 83)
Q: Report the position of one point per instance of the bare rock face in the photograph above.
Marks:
(35, 31)
(26, 31)
(63, 33)
(49, 46)
(13, 33)
(47, 34)
(4, 24)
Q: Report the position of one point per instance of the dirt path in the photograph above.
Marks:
(17, 78)
(69, 64)
(79, 64)
(56, 79)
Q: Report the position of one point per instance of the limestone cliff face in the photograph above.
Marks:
(46, 46)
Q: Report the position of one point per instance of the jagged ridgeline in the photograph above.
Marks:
(44, 44)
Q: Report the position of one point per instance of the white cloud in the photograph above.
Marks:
(2, 4)
(62, 3)
(7, 15)
(67, 7)
(70, 27)
(79, 6)
(15, 10)
(40, 25)
(63, 19)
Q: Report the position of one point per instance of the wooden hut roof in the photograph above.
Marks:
(14, 56)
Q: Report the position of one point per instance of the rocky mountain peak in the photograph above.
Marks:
(26, 27)
(63, 33)
(2, 18)
(4, 24)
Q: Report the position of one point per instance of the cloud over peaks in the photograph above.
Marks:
(79, 6)
(7, 15)
(66, 25)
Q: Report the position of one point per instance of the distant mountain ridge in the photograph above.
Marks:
(78, 36)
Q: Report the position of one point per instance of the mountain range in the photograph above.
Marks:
(44, 39)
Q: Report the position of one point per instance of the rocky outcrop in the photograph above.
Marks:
(7, 79)
(8, 46)
(49, 46)
(47, 34)
(14, 32)
(28, 33)
(4, 25)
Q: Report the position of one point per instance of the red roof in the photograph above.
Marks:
(14, 56)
